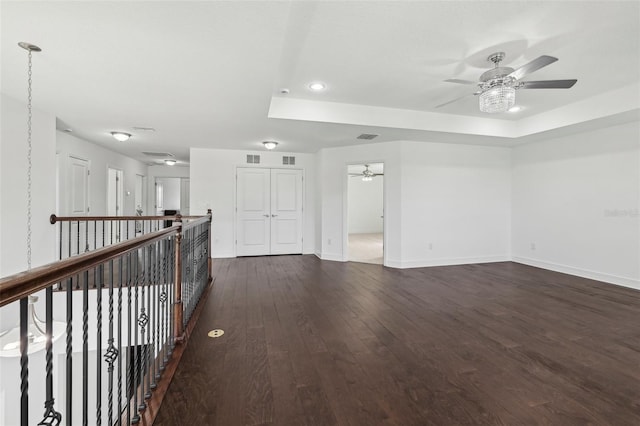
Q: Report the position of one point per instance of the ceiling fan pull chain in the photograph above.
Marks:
(29, 114)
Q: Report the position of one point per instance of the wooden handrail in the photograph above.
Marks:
(22, 284)
(199, 221)
(54, 219)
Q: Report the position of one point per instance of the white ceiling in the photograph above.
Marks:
(209, 74)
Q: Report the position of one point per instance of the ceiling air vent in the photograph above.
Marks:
(157, 154)
(253, 159)
(288, 161)
(367, 136)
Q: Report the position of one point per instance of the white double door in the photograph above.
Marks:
(269, 211)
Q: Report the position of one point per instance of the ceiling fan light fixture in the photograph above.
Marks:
(367, 178)
(270, 144)
(497, 99)
(170, 162)
(121, 136)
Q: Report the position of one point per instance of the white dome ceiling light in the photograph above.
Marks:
(121, 136)
(270, 144)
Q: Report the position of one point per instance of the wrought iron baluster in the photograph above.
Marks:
(51, 417)
(98, 271)
(69, 352)
(85, 349)
(24, 362)
(143, 320)
(172, 301)
(120, 284)
(156, 312)
(130, 364)
(163, 300)
(112, 353)
(136, 360)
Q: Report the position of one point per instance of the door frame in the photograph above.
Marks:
(235, 197)
(120, 175)
(345, 209)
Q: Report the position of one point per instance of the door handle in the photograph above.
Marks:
(274, 215)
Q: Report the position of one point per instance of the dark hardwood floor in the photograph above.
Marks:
(311, 342)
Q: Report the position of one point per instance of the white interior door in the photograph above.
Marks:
(253, 211)
(286, 211)
(78, 205)
(79, 187)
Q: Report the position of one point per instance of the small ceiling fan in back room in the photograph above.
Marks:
(497, 87)
(367, 175)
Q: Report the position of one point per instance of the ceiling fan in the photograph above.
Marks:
(367, 175)
(498, 85)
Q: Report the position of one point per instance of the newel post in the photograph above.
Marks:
(210, 260)
(177, 307)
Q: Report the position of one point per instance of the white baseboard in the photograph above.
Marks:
(584, 273)
(332, 257)
(446, 261)
(223, 255)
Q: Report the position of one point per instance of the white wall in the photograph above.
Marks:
(13, 187)
(332, 244)
(576, 204)
(444, 203)
(365, 201)
(100, 160)
(213, 174)
(456, 202)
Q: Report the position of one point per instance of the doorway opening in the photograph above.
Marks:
(365, 213)
(115, 205)
(172, 196)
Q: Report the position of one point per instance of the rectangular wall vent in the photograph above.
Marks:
(157, 154)
(367, 136)
(288, 161)
(253, 159)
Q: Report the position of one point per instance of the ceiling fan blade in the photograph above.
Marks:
(532, 66)
(458, 81)
(457, 99)
(547, 84)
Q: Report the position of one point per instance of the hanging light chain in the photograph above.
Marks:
(29, 165)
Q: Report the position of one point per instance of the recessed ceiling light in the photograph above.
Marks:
(121, 136)
(270, 144)
(515, 108)
(170, 162)
(317, 86)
